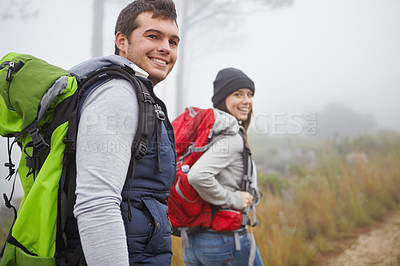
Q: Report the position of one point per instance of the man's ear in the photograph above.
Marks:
(121, 41)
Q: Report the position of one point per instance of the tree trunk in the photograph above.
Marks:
(98, 18)
(181, 73)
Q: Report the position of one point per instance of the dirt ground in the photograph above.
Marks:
(378, 244)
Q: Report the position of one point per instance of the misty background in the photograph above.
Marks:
(321, 68)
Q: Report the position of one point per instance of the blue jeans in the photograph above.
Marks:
(209, 248)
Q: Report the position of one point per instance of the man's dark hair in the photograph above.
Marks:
(126, 22)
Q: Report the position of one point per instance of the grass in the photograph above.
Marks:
(302, 214)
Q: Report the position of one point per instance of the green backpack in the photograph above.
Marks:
(38, 108)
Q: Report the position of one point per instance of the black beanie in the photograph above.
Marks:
(229, 80)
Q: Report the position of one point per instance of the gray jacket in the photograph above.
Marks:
(218, 173)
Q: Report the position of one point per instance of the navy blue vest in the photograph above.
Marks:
(146, 193)
(149, 231)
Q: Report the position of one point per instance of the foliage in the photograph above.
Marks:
(302, 214)
(272, 183)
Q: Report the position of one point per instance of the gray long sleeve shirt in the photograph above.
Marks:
(106, 130)
(108, 123)
(218, 173)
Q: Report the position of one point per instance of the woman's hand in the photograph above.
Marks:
(247, 199)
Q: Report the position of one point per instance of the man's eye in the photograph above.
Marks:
(173, 43)
(152, 36)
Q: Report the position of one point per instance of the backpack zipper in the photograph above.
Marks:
(10, 70)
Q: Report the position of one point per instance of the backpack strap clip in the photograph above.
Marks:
(69, 146)
(147, 98)
(159, 112)
(37, 139)
(33, 162)
(141, 150)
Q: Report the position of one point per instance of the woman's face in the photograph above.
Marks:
(240, 103)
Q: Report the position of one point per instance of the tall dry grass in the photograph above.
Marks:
(302, 216)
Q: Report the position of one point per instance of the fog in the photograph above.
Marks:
(301, 57)
(313, 53)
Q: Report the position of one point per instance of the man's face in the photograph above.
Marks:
(153, 46)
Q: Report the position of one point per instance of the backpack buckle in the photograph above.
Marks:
(147, 97)
(159, 112)
(38, 142)
(69, 146)
(141, 150)
(33, 162)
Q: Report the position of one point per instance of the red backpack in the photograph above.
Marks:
(186, 209)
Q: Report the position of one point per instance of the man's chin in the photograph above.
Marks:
(157, 77)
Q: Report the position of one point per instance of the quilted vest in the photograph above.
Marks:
(144, 199)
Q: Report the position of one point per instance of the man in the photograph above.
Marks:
(121, 203)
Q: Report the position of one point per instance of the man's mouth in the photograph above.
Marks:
(160, 61)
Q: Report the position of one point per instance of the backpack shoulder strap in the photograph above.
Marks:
(145, 101)
(247, 179)
(149, 111)
(248, 165)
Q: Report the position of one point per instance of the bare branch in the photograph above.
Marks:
(217, 21)
(201, 8)
(18, 9)
(197, 18)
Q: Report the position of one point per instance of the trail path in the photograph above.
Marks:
(378, 244)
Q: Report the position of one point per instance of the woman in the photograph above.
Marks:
(218, 173)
